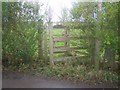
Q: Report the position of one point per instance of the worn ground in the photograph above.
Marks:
(20, 80)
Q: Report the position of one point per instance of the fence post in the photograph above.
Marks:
(51, 44)
(97, 42)
(66, 42)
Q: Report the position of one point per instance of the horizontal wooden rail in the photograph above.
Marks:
(61, 39)
(60, 35)
(74, 48)
(70, 58)
(85, 53)
(61, 49)
(60, 46)
(78, 37)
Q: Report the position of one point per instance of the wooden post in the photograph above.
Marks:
(92, 49)
(51, 44)
(66, 42)
(110, 56)
(97, 58)
(97, 42)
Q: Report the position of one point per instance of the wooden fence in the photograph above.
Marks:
(70, 52)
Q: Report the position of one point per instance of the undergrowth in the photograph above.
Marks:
(79, 73)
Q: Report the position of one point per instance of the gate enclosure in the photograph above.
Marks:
(70, 47)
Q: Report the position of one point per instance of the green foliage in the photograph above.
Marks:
(104, 28)
(109, 38)
(19, 33)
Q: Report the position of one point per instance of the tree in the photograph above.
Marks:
(109, 32)
(64, 16)
(101, 23)
(19, 32)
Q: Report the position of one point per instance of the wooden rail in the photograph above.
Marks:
(61, 49)
(61, 39)
(70, 58)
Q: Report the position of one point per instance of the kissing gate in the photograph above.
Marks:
(68, 48)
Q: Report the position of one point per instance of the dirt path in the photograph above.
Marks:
(18, 80)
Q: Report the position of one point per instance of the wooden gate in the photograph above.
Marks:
(68, 50)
